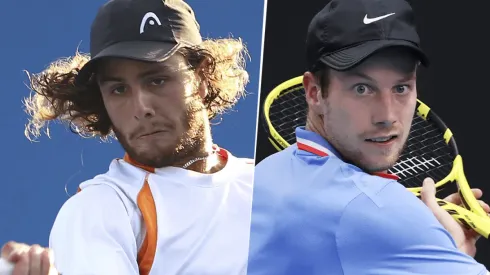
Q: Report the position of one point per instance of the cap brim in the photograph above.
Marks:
(350, 57)
(149, 51)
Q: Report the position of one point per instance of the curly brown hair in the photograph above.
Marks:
(55, 95)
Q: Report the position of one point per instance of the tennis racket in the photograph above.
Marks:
(6, 268)
(431, 151)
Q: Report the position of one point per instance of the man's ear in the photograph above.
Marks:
(203, 88)
(313, 92)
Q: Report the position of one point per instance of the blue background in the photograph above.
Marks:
(34, 175)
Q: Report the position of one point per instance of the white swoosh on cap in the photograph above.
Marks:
(371, 20)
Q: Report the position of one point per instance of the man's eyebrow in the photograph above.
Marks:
(154, 70)
(357, 73)
(408, 77)
(103, 78)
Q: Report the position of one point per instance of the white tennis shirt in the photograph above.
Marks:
(165, 221)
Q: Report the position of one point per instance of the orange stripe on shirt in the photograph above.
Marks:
(146, 204)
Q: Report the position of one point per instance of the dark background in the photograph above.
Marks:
(454, 85)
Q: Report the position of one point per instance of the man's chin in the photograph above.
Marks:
(378, 165)
(154, 158)
(153, 155)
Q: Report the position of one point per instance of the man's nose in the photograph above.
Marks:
(143, 104)
(385, 110)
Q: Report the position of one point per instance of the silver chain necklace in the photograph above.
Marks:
(196, 159)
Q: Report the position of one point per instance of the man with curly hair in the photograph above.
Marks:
(176, 202)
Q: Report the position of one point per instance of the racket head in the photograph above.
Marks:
(434, 144)
(430, 151)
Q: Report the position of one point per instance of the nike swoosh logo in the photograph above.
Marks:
(371, 20)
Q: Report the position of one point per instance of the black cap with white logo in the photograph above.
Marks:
(145, 30)
(345, 32)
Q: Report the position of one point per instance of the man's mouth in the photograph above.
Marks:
(152, 133)
(382, 139)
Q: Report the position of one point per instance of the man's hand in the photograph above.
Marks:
(465, 238)
(29, 260)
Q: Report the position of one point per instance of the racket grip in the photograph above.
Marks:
(6, 268)
(467, 218)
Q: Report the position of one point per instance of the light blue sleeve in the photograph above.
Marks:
(394, 233)
(265, 255)
(291, 233)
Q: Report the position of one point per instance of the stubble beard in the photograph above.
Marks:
(189, 144)
(354, 155)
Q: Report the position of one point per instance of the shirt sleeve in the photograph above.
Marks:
(261, 232)
(266, 243)
(397, 234)
(92, 234)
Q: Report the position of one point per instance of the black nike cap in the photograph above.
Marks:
(346, 32)
(144, 30)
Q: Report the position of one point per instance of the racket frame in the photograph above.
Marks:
(457, 174)
(274, 137)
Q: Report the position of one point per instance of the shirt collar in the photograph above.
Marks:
(315, 144)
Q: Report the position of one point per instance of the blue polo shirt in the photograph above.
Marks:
(316, 214)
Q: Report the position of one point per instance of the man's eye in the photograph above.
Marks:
(119, 90)
(157, 82)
